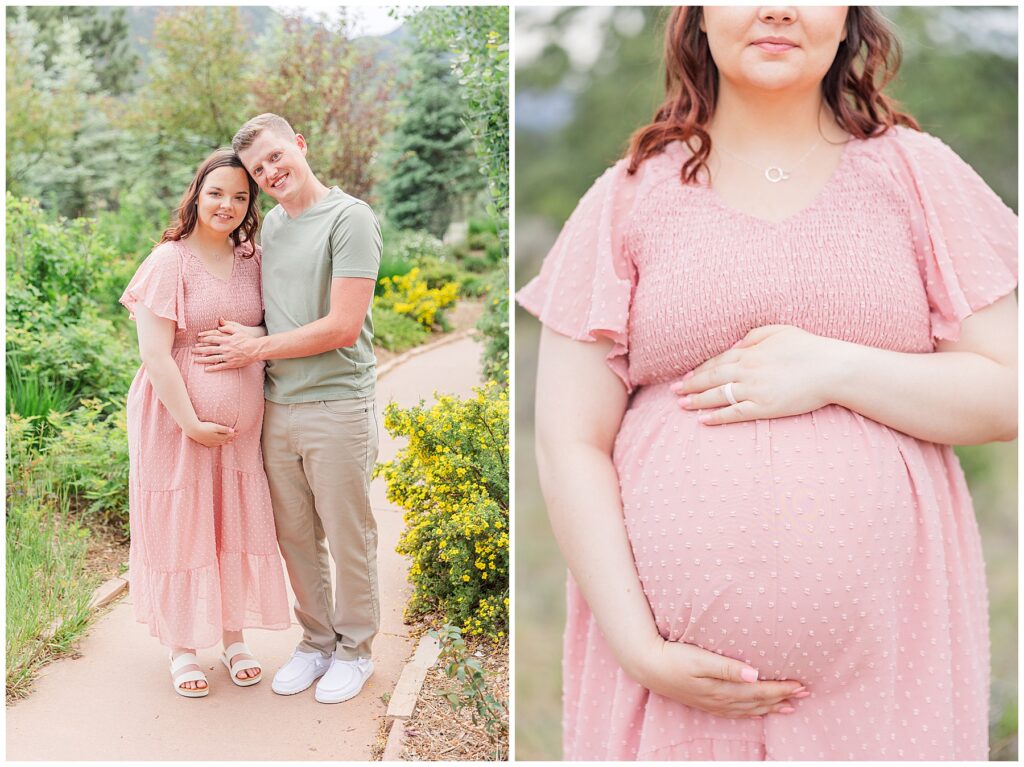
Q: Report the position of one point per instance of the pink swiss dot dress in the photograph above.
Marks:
(825, 547)
(204, 555)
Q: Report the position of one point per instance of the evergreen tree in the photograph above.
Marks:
(103, 41)
(431, 165)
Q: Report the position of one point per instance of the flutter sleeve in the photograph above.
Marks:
(965, 236)
(586, 282)
(158, 286)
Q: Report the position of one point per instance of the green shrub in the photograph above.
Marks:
(473, 689)
(480, 240)
(85, 359)
(482, 226)
(88, 455)
(65, 263)
(477, 264)
(61, 283)
(409, 294)
(438, 273)
(410, 244)
(396, 332)
(495, 252)
(452, 480)
(493, 325)
(475, 285)
(390, 267)
(135, 226)
(409, 248)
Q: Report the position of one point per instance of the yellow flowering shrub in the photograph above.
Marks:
(452, 481)
(410, 294)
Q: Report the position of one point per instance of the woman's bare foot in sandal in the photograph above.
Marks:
(190, 685)
(229, 638)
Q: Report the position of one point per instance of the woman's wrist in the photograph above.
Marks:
(837, 366)
(190, 426)
(639, 659)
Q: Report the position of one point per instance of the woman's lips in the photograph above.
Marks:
(775, 47)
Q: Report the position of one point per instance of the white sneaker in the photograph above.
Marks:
(344, 680)
(300, 672)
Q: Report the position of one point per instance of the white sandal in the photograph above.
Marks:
(178, 679)
(240, 648)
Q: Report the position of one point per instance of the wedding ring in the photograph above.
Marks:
(727, 391)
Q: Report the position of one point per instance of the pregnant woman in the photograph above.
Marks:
(204, 562)
(794, 302)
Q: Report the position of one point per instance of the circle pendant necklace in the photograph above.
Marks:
(773, 173)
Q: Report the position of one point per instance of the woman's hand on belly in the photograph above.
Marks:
(774, 371)
(713, 683)
(210, 434)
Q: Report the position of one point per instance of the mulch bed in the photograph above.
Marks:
(107, 553)
(436, 733)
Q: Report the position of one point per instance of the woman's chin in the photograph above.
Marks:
(220, 227)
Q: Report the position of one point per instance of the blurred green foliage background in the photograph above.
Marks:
(585, 79)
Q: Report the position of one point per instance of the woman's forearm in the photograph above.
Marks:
(581, 489)
(170, 389)
(580, 406)
(954, 398)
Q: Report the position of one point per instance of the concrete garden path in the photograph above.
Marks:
(115, 700)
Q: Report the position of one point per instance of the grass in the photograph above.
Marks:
(48, 590)
(29, 395)
(47, 595)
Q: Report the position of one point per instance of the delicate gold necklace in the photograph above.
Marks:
(773, 173)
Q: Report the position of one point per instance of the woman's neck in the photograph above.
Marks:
(209, 241)
(760, 121)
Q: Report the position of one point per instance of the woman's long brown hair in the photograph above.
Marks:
(865, 63)
(187, 214)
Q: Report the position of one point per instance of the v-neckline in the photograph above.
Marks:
(234, 259)
(815, 202)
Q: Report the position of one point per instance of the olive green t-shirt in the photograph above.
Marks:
(336, 237)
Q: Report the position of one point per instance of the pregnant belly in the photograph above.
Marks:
(230, 397)
(782, 542)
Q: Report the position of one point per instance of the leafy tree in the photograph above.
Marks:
(431, 163)
(337, 92)
(195, 97)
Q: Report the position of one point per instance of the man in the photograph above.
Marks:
(321, 253)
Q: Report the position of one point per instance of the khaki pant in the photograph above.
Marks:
(318, 457)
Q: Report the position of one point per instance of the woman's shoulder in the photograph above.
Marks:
(907, 144)
(166, 254)
(626, 186)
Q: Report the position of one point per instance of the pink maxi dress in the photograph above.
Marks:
(825, 547)
(203, 555)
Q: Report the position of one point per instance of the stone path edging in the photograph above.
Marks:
(406, 693)
(107, 592)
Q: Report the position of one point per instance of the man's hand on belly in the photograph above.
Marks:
(230, 346)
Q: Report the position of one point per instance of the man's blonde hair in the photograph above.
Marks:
(254, 127)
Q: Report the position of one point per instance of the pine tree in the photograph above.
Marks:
(431, 165)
